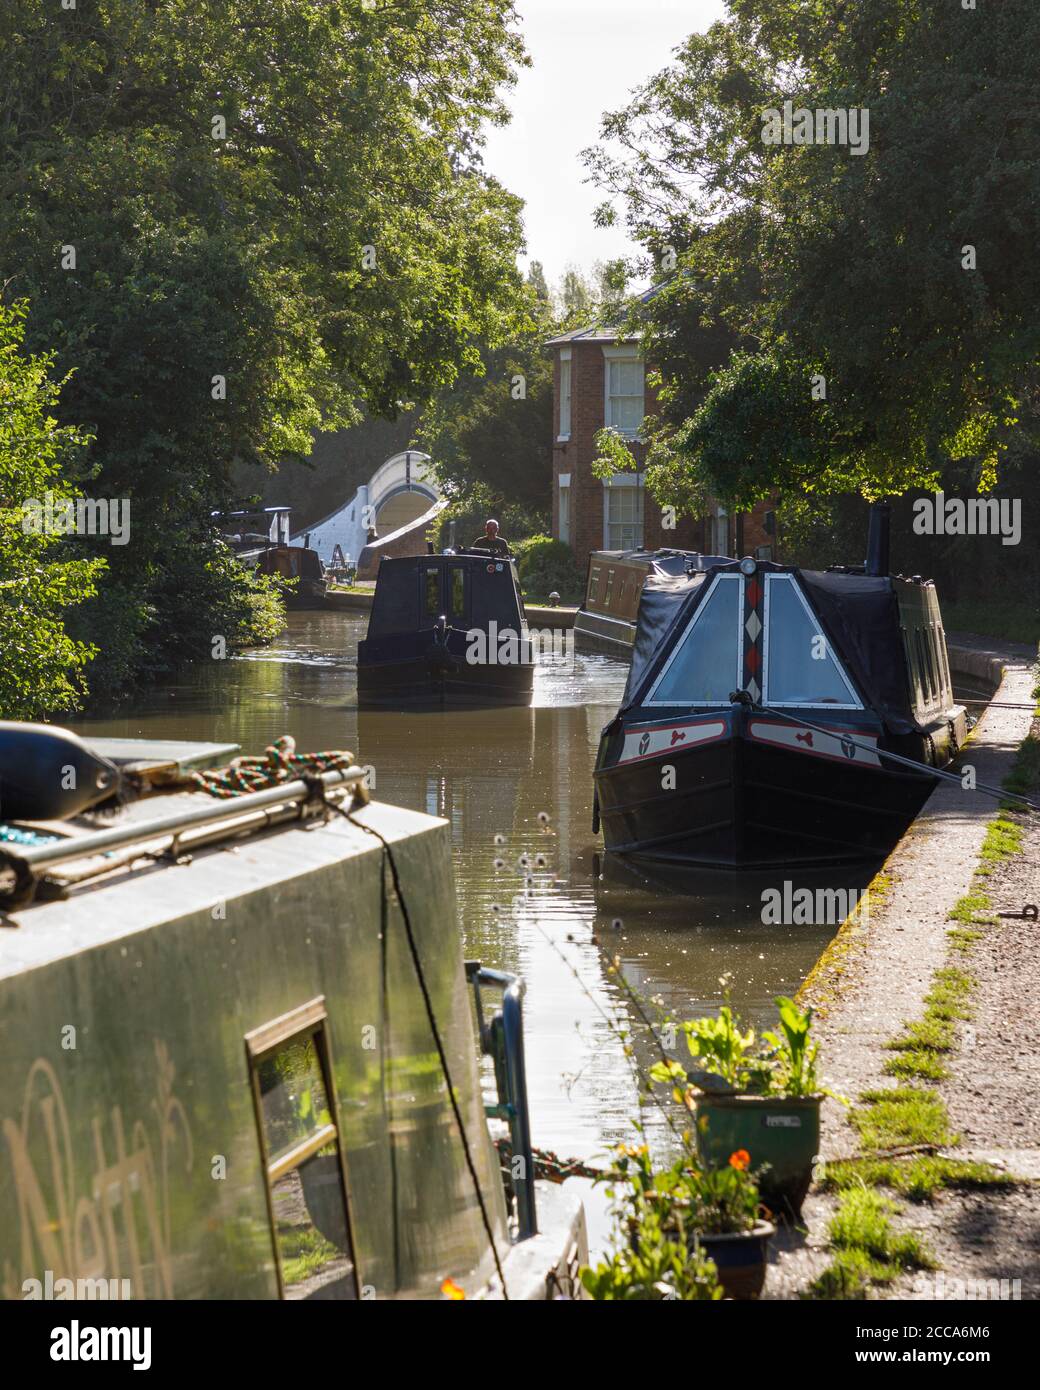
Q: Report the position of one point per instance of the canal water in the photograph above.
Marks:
(534, 897)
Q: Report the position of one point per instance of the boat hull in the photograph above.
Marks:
(744, 792)
(430, 680)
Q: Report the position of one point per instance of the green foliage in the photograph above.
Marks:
(490, 436)
(919, 1177)
(545, 566)
(869, 1249)
(784, 1067)
(813, 260)
(40, 577)
(341, 246)
(652, 1268)
(904, 1115)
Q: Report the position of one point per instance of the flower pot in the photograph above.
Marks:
(781, 1136)
(741, 1259)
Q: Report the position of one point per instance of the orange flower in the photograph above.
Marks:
(741, 1160)
(452, 1290)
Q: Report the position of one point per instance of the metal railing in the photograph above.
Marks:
(502, 1039)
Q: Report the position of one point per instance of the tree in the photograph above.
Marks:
(240, 224)
(42, 666)
(490, 437)
(884, 300)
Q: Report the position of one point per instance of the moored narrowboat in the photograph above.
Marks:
(237, 1054)
(446, 630)
(761, 702)
(606, 620)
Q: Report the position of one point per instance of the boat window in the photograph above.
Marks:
(944, 657)
(432, 593)
(293, 1094)
(922, 663)
(911, 669)
(935, 647)
(800, 667)
(458, 592)
(704, 667)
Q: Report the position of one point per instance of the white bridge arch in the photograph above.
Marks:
(398, 492)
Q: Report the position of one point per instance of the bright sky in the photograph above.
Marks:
(587, 56)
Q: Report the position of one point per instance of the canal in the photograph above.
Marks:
(516, 787)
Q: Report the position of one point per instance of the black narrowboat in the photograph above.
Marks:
(446, 630)
(760, 704)
(606, 620)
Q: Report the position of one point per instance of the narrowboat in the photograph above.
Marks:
(238, 1056)
(606, 620)
(260, 540)
(446, 630)
(761, 702)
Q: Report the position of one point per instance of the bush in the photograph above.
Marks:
(546, 565)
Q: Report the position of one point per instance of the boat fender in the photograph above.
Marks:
(47, 773)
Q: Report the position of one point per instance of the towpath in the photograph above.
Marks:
(874, 979)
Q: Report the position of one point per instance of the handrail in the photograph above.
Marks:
(503, 1040)
(21, 868)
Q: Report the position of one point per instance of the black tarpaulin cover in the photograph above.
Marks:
(859, 614)
(664, 601)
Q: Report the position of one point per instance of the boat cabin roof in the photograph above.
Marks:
(830, 639)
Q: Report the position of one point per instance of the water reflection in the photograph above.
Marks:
(559, 922)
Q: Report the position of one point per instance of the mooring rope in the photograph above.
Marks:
(998, 792)
(280, 762)
(438, 1041)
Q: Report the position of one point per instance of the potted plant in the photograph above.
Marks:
(710, 1220)
(759, 1096)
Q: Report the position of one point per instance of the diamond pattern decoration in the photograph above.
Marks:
(753, 689)
(753, 627)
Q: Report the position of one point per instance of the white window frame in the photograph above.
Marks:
(622, 354)
(856, 703)
(564, 484)
(699, 612)
(636, 480)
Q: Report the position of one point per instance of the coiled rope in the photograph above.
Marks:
(279, 762)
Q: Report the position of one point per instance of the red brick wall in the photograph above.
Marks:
(588, 405)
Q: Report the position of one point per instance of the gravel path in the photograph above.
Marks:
(874, 977)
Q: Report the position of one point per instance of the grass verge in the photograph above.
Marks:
(867, 1252)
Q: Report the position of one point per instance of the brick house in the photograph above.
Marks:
(599, 379)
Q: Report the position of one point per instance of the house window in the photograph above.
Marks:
(624, 517)
(565, 395)
(624, 404)
(720, 532)
(290, 1072)
(564, 528)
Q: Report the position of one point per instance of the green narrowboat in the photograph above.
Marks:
(239, 1057)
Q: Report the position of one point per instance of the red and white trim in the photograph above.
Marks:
(837, 746)
(656, 740)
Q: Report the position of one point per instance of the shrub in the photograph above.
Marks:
(546, 565)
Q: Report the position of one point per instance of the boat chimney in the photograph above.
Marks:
(878, 536)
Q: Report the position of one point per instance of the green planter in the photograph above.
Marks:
(741, 1259)
(783, 1134)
